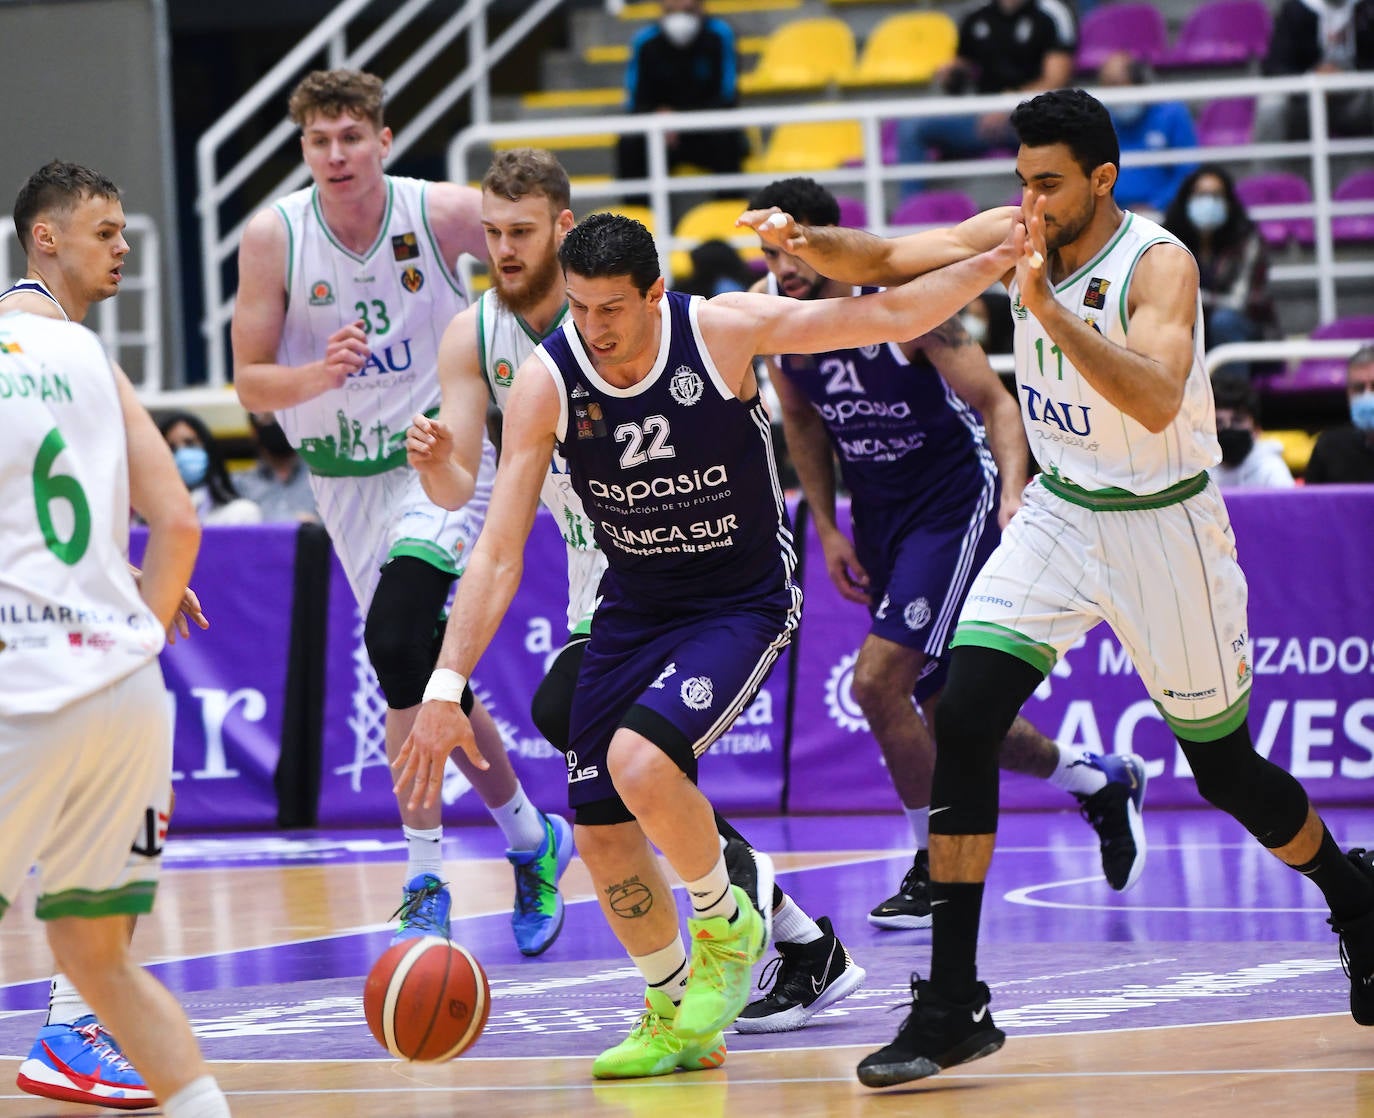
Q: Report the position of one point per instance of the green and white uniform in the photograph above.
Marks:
(1123, 525)
(353, 438)
(505, 340)
(85, 729)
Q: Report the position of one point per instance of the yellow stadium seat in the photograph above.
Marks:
(905, 49)
(804, 55)
(714, 220)
(805, 146)
(1297, 447)
(652, 10)
(606, 97)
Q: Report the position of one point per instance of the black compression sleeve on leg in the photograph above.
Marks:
(404, 629)
(1263, 798)
(551, 707)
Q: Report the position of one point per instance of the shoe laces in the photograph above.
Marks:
(653, 1025)
(530, 887)
(790, 974)
(99, 1038)
(710, 955)
(416, 901)
(917, 879)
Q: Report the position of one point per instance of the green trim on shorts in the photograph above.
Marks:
(583, 628)
(4, 907)
(1212, 728)
(428, 551)
(1120, 500)
(985, 634)
(134, 899)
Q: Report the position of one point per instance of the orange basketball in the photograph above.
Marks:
(426, 999)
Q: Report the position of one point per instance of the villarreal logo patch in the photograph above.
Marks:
(412, 279)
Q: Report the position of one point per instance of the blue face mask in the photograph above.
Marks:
(193, 463)
(1362, 411)
(1207, 211)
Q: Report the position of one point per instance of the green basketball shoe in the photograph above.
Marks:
(655, 1048)
(723, 955)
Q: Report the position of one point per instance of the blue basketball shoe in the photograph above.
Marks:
(538, 914)
(81, 1062)
(1114, 812)
(425, 904)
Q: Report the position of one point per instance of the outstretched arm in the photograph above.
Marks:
(853, 256)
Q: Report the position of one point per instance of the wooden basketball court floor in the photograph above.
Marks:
(1214, 986)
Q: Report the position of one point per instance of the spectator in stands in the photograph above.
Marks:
(685, 61)
(1346, 454)
(716, 269)
(279, 484)
(988, 321)
(1323, 37)
(200, 462)
(1160, 126)
(1232, 261)
(1004, 45)
(1247, 460)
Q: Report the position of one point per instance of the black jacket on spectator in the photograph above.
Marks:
(1342, 455)
(1295, 45)
(1008, 51)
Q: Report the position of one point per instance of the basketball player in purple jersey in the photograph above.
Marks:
(651, 398)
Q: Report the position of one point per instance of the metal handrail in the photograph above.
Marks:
(1288, 349)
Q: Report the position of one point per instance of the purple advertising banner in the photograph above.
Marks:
(743, 772)
(1306, 556)
(227, 684)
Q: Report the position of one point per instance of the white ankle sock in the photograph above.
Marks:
(520, 821)
(424, 852)
(665, 970)
(201, 1098)
(1074, 772)
(65, 1005)
(919, 818)
(711, 895)
(792, 925)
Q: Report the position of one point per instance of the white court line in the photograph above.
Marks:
(1025, 896)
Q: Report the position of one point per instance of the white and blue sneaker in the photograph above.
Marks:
(1114, 812)
(537, 917)
(80, 1062)
(425, 905)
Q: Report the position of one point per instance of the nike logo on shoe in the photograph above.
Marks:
(85, 1082)
(982, 1012)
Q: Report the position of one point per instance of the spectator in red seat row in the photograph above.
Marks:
(1005, 45)
(1346, 454)
(1322, 37)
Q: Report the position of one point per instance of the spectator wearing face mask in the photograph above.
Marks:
(200, 463)
(1160, 126)
(1233, 264)
(279, 484)
(687, 61)
(988, 322)
(1346, 454)
(1247, 460)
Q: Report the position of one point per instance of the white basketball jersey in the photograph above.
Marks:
(71, 619)
(1075, 434)
(403, 292)
(505, 341)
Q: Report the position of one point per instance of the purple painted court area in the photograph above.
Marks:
(1215, 931)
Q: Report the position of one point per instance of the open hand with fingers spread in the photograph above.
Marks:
(439, 728)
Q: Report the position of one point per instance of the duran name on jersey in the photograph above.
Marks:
(676, 473)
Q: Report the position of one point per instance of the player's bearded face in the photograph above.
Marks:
(1067, 222)
(795, 278)
(523, 281)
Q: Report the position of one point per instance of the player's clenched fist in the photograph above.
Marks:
(345, 353)
(428, 442)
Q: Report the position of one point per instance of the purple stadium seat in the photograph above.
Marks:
(1323, 374)
(935, 207)
(1357, 227)
(1228, 122)
(1278, 188)
(853, 212)
(1222, 33)
(1138, 28)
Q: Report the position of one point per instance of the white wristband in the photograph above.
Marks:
(446, 686)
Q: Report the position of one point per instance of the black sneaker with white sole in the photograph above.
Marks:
(909, 907)
(1115, 814)
(937, 1034)
(1357, 949)
(752, 871)
(806, 978)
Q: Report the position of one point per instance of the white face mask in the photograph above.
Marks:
(977, 327)
(680, 28)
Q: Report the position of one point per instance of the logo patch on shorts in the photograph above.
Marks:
(916, 615)
(698, 692)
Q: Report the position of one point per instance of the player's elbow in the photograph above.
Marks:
(177, 526)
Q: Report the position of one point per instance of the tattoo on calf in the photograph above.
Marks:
(630, 899)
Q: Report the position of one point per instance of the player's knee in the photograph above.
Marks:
(551, 707)
(1265, 799)
(402, 660)
(642, 763)
(875, 687)
(403, 631)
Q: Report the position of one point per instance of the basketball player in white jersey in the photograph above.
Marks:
(345, 288)
(85, 733)
(70, 224)
(1122, 526)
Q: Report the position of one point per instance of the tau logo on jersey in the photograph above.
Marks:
(321, 294)
(1096, 294)
(1067, 417)
(504, 372)
(916, 615)
(698, 692)
(405, 246)
(686, 386)
(412, 279)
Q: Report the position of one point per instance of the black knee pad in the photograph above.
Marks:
(551, 706)
(1263, 798)
(985, 690)
(404, 628)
